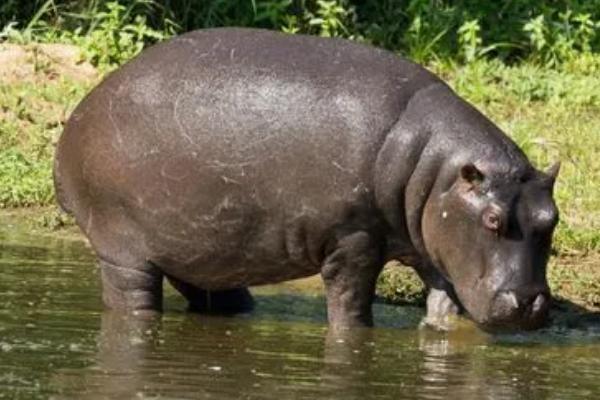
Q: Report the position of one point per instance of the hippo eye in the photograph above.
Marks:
(492, 221)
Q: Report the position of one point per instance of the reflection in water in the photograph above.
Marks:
(348, 357)
(56, 342)
(446, 360)
(124, 343)
(478, 366)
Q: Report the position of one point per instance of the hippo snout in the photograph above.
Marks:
(514, 310)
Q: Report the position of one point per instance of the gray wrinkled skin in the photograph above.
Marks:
(228, 158)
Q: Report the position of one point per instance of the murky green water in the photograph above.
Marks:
(57, 342)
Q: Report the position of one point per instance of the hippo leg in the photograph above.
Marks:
(441, 307)
(442, 303)
(133, 288)
(230, 301)
(350, 273)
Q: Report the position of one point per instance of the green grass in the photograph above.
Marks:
(32, 113)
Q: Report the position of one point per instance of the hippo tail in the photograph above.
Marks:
(59, 187)
(66, 173)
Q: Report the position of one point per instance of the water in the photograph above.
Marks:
(56, 342)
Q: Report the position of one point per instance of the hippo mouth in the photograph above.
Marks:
(508, 312)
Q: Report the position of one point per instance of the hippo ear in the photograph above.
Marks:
(552, 172)
(471, 174)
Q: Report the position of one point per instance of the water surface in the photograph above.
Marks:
(57, 342)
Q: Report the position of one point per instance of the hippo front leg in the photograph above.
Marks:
(441, 308)
(350, 273)
(442, 304)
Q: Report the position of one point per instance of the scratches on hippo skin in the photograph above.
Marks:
(338, 166)
(224, 205)
(216, 44)
(353, 109)
(360, 188)
(227, 212)
(176, 117)
(220, 164)
(230, 180)
(181, 237)
(226, 169)
(114, 124)
(147, 90)
(140, 201)
(175, 169)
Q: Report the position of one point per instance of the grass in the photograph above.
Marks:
(35, 100)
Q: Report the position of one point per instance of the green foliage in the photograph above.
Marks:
(32, 113)
(110, 35)
(561, 39)
(115, 35)
(401, 285)
(469, 40)
(24, 181)
(330, 18)
(544, 31)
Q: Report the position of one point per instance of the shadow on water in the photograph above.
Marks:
(57, 342)
(569, 315)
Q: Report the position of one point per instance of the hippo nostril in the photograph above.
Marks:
(510, 299)
(527, 310)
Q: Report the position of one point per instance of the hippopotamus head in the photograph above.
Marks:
(489, 233)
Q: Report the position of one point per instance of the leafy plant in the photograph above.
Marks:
(470, 40)
(115, 34)
(330, 18)
(560, 40)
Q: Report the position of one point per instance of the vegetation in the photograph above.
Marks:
(532, 66)
(36, 97)
(547, 31)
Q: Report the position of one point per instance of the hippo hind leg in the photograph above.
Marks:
(131, 287)
(230, 301)
(129, 281)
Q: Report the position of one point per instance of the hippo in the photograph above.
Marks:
(226, 158)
